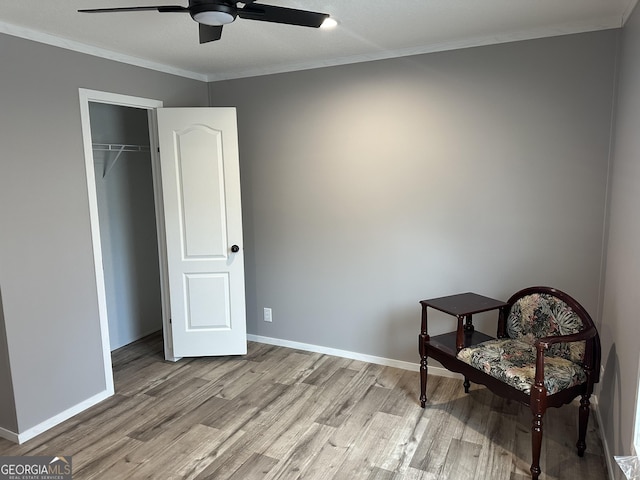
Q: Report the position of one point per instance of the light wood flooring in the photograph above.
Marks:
(279, 413)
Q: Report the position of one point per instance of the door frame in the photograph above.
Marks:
(86, 96)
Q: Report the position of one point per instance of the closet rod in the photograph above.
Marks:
(119, 147)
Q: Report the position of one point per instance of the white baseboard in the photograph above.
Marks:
(307, 347)
(9, 435)
(388, 362)
(55, 420)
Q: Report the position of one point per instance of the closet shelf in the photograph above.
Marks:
(119, 149)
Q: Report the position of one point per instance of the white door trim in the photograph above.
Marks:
(87, 96)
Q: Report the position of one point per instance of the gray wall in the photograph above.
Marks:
(368, 187)
(128, 231)
(47, 273)
(620, 329)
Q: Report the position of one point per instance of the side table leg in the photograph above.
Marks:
(422, 339)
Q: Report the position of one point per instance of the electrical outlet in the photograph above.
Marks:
(266, 315)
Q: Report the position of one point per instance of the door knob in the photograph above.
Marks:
(235, 248)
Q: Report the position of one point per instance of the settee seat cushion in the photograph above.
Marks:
(513, 362)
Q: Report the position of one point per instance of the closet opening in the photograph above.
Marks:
(127, 221)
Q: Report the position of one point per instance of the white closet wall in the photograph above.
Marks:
(127, 221)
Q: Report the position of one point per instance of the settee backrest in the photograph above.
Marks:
(537, 314)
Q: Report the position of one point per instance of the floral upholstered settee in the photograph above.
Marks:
(547, 353)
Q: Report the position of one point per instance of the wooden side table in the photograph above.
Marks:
(445, 347)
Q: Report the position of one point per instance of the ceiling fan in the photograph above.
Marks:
(212, 15)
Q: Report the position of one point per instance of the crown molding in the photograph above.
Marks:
(553, 31)
(80, 47)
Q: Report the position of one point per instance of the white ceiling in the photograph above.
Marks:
(367, 30)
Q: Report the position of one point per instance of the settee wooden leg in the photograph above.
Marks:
(536, 445)
(423, 369)
(467, 385)
(583, 420)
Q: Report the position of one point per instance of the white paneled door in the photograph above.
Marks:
(199, 166)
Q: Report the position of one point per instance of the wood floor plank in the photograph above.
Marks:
(100, 463)
(349, 397)
(197, 463)
(350, 451)
(147, 377)
(182, 449)
(369, 449)
(295, 463)
(324, 369)
(413, 474)
(276, 425)
(258, 352)
(281, 421)
(365, 438)
(443, 425)
(234, 414)
(380, 474)
(388, 377)
(255, 468)
(292, 368)
(216, 461)
(495, 459)
(325, 463)
(237, 381)
(364, 407)
(228, 460)
(406, 441)
(226, 373)
(405, 431)
(461, 461)
(404, 395)
(338, 383)
(284, 414)
(272, 358)
(521, 453)
(476, 424)
(167, 409)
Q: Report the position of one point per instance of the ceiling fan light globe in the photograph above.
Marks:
(329, 23)
(213, 18)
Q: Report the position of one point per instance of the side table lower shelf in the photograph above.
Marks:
(447, 341)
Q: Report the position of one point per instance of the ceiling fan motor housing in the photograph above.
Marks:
(212, 12)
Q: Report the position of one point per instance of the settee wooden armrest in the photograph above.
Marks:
(574, 337)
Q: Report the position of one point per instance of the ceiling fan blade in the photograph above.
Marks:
(163, 8)
(210, 33)
(290, 16)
